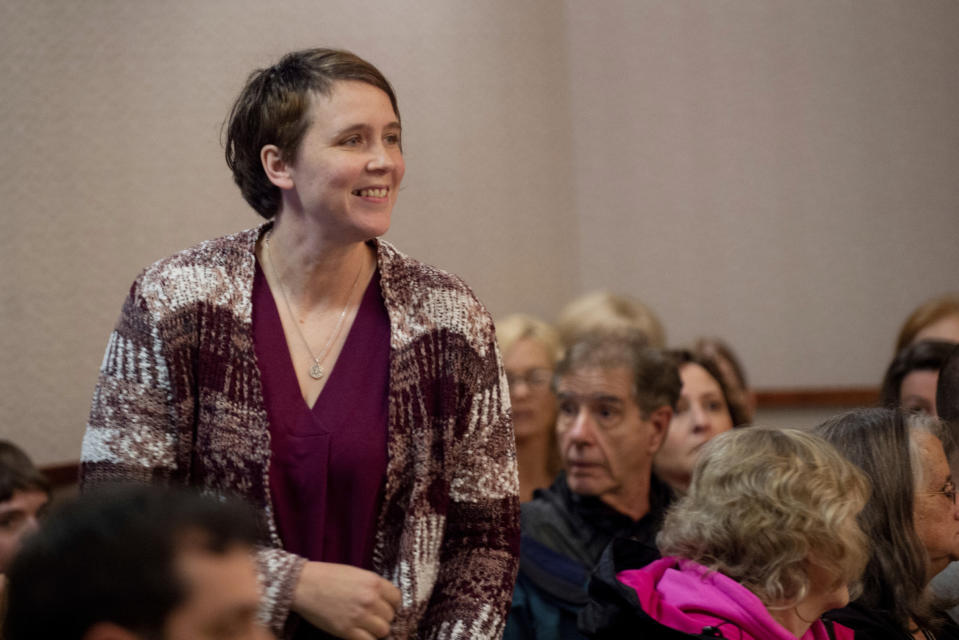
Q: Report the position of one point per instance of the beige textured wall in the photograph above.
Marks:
(782, 173)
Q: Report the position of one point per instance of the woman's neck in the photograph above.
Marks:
(532, 458)
(792, 620)
(314, 270)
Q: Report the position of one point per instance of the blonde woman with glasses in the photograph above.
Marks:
(530, 349)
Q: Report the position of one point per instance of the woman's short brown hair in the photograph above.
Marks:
(764, 503)
(273, 108)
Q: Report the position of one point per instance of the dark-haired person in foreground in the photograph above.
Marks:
(24, 495)
(353, 395)
(616, 398)
(138, 563)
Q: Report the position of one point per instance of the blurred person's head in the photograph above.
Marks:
(703, 411)
(602, 311)
(910, 380)
(616, 397)
(776, 511)
(733, 374)
(936, 319)
(138, 563)
(24, 495)
(530, 349)
(911, 517)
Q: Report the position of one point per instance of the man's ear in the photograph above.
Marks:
(659, 422)
(277, 169)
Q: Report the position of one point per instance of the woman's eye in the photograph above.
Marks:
(352, 141)
(392, 139)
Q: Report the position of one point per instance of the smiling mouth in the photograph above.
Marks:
(372, 192)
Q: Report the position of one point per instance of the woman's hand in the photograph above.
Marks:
(346, 601)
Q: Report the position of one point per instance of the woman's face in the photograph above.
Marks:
(701, 414)
(529, 369)
(918, 391)
(348, 169)
(934, 512)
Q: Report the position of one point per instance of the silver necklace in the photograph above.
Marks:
(316, 371)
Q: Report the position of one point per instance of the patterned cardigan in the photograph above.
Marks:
(179, 400)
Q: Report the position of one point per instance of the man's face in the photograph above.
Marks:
(18, 517)
(223, 596)
(607, 446)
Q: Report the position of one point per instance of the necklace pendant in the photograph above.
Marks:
(316, 371)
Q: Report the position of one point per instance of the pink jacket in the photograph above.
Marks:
(687, 596)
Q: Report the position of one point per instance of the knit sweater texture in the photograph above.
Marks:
(179, 401)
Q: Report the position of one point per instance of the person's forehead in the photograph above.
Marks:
(595, 381)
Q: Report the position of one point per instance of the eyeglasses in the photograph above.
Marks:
(948, 490)
(534, 378)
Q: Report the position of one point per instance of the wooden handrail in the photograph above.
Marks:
(824, 397)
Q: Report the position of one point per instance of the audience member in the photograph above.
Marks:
(911, 519)
(946, 584)
(910, 380)
(947, 392)
(733, 372)
(602, 310)
(138, 563)
(764, 543)
(704, 411)
(530, 349)
(24, 495)
(936, 319)
(616, 398)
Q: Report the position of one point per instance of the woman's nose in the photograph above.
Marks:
(701, 420)
(381, 160)
(519, 389)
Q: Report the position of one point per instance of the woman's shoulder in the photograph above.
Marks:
(428, 296)
(220, 269)
(866, 623)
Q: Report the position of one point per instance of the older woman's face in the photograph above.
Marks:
(701, 414)
(934, 512)
(347, 172)
(529, 369)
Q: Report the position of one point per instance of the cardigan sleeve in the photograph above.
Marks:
(134, 426)
(479, 553)
(143, 419)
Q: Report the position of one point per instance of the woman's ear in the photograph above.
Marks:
(277, 169)
(109, 631)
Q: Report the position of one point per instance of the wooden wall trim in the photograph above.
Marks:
(825, 397)
(62, 475)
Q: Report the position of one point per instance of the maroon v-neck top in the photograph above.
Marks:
(328, 463)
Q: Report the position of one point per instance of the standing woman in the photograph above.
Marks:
(352, 394)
